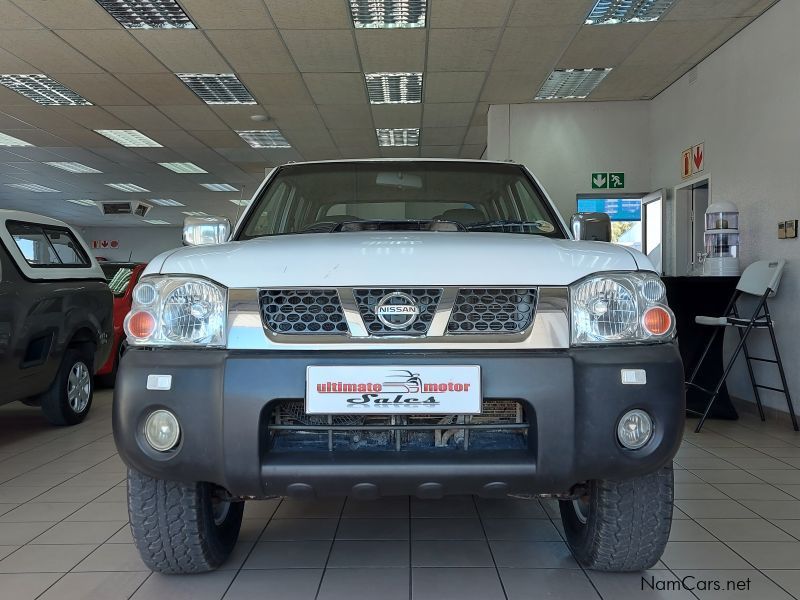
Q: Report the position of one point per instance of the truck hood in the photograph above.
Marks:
(393, 259)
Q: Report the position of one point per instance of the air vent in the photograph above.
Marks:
(139, 209)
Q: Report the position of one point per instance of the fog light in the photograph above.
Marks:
(635, 429)
(161, 430)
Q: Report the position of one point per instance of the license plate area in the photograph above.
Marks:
(393, 390)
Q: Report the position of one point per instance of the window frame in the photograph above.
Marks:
(43, 228)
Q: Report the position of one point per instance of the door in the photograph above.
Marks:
(653, 221)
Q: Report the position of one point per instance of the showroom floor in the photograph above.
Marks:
(63, 531)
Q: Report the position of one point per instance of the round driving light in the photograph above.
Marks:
(161, 430)
(653, 290)
(657, 320)
(140, 324)
(145, 293)
(635, 429)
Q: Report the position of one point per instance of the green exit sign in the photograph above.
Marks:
(608, 181)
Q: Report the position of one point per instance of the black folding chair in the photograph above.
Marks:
(761, 279)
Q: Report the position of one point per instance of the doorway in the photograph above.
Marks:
(691, 202)
(625, 211)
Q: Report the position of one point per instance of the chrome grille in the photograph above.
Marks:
(298, 312)
(487, 310)
(426, 300)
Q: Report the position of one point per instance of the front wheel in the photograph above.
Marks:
(181, 527)
(620, 525)
(69, 398)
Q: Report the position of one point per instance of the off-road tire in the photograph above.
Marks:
(627, 525)
(55, 402)
(173, 525)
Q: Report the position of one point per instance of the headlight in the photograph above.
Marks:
(620, 308)
(177, 311)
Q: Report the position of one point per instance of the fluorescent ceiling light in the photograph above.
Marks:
(264, 138)
(194, 213)
(182, 167)
(31, 187)
(127, 187)
(148, 14)
(398, 137)
(130, 138)
(10, 140)
(566, 84)
(82, 202)
(219, 187)
(238, 202)
(388, 13)
(218, 88)
(394, 88)
(156, 222)
(611, 12)
(72, 167)
(43, 90)
(165, 202)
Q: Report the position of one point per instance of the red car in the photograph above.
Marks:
(122, 278)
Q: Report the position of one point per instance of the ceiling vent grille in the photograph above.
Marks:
(394, 88)
(139, 209)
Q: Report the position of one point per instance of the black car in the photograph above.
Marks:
(56, 317)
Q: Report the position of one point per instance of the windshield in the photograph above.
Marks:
(329, 197)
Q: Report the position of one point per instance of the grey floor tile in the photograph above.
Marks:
(288, 555)
(702, 555)
(299, 530)
(96, 586)
(451, 553)
(450, 507)
(714, 509)
(777, 476)
(68, 532)
(792, 489)
(369, 553)
(705, 462)
(282, 584)
(72, 493)
(393, 507)
(101, 511)
(373, 529)
(252, 529)
(115, 494)
(769, 555)
(112, 557)
(762, 462)
(446, 529)
(774, 509)
(456, 584)
(697, 491)
(202, 586)
(683, 476)
(260, 509)
(738, 585)
(347, 584)
(33, 512)
(753, 491)
(788, 580)
(26, 586)
(725, 476)
(649, 585)
(17, 534)
(550, 584)
(10, 494)
(327, 508)
(122, 536)
(738, 452)
(45, 559)
(510, 508)
(521, 530)
(241, 551)
(532, 555)
(686, 530)
(744, 530)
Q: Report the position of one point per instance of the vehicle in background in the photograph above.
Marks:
(122, 278)
(55, 316)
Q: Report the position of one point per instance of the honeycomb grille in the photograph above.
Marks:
(479, 311)
(299, 312)
(426, 300)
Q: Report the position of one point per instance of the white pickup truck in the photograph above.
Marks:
(390, 327)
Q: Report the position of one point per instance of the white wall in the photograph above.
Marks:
(563, 144)
(136, 243)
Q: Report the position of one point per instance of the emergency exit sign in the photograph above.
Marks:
(608, 181)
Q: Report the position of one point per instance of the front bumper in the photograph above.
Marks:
(573, 400)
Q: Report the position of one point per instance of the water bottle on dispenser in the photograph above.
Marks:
(721, 240)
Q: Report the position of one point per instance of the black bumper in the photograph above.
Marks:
(573, 400)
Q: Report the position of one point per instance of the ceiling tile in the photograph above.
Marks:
(604, 46)
(319, 152)
(289, 116)
(92, 117)
(310, 14)
(442, 136)
(477, 135)
(12, 17)
(345, 116)
(43, 117)
(468, 13)
(447, 114)
(219, 139)
(733, 27)
(194, 117)
(302, 137)
(277, 88)
(48, 52)
(336, 88)
(461, 86)
(142, 117)
(114, 50)
(160, 89)
(10, 122)
(391, 50)
(238, 117)
(391, 116)
(461, 49)
(439, 151)
(675, 42)
(236, 14)
(693, 10)
(257, 51)
(400, 152)
(360, 151)
(510, 87)
(11, 64)
(544, 13)
(83, 137)
(323, 50)
(353, 137)
(634, 82)
(473, 152)
(532, 48)
(11, 98)
(183, 50)
(68, 14)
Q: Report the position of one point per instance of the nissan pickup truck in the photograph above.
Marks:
(399, 327)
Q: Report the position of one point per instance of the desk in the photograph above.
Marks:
(689, 297)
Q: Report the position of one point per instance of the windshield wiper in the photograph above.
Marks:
(513, 226)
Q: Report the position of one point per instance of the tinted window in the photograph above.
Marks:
(47, 246)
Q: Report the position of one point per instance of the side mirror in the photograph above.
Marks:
(591, 226)
(202, 231)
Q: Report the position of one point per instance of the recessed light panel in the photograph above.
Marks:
(219, 187)
(217, 88)
(82, 202)
(127, 187)
(156, 222)
(43, 90)
(238, 202)
(72, 167)
(388, 14)
(182, 167)
(32, 187)
(130, 138)
(394, 88)
(568, 84)
(10, 140)
(264, 138)
(611, 12)
(148, 14)
(165, 202)
(398, 137)
(194, 213)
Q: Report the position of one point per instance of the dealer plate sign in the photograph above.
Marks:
(398, 390)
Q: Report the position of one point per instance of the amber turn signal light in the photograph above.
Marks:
(657, 320)
(140, 324)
